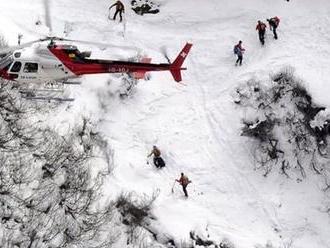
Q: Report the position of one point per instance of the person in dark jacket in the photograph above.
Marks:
(273, 24)
(184, 181)
(238, 50)
(261, 27)
(158, 161)
(120, 8)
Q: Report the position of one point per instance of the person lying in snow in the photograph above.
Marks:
(144, 7)
(158, 161)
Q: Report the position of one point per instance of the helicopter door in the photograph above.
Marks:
(29, 72)
(15, 69)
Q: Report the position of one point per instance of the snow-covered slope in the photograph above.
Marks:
(196, 125)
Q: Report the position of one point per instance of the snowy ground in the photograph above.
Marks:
(196, 125)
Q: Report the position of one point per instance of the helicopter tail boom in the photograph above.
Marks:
(141, 74)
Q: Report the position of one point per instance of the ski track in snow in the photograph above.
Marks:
(197, 126)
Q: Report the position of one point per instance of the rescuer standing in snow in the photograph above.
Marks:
(119, 10)
(273, 24)
(238, 50)
(184, 181)
(261, 27)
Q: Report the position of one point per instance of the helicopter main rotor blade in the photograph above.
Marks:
(99, 44)
(13, 48)
(47, 15)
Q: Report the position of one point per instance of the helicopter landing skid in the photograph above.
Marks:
(49, 99)
(72, 83)
(44, 95)
(35, 91)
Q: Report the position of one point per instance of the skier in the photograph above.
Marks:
(261, 27)
(119, 10)
(238, 50)
(273, 24)
(158, 161)
(184, 181)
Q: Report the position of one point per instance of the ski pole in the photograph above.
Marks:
(173, 186)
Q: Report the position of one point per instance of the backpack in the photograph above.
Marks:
(159, 162)
(185, 181)
(272, 22)
(236, 49)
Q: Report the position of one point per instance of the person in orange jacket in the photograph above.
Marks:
(261, 27)
(120, 8)
(184, 181)
(273, 24)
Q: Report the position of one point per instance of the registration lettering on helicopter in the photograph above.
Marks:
(122, 69)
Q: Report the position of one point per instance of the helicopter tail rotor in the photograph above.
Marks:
(164, 52)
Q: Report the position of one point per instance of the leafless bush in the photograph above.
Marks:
(202, 242)
(142, 7)
(48, 196)
(136, 214)
(280, 122)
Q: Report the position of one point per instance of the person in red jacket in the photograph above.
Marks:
(261, 27)
(273, 24)
(184, 181)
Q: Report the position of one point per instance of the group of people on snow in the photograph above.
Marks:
(155, 152)
(159, 163)
(261, 28)
(148, 7)
(238, 50)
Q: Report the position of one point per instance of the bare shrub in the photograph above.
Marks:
(279, 120)
(136, 214)
(48, 196)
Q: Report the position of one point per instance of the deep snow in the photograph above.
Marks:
(196, 125)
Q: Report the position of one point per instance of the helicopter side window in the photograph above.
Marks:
(30, 68)
(16, 67)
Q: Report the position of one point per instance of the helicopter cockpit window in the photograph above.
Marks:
(6, 61)
(30, 68)
(16, 67)
(17, 55)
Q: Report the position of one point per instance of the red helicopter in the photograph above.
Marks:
(39, 63)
